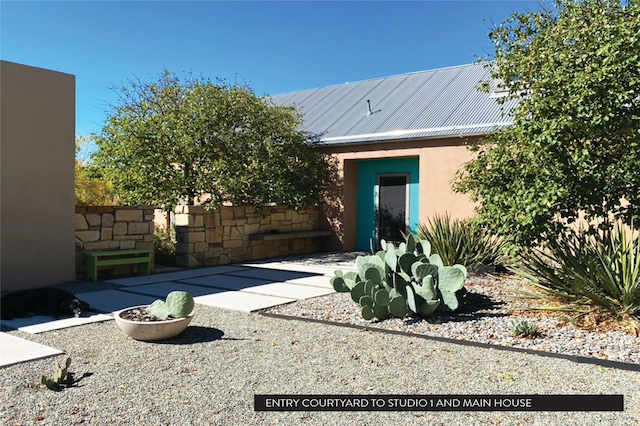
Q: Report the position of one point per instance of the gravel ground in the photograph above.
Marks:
(210, 373)
(486, 318)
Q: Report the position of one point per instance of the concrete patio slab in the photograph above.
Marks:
(114, 300)
(175, 276)
(160, 290)
(16, 350)
(227, 282)
(40, 323)
(271, 275)
(323, 281)
(297, 267)
(246, 287)
(241, 301)
(289, 290)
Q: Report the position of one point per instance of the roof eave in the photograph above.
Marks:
(355, 141)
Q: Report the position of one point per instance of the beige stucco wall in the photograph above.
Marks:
(439, 160)
(37, 132)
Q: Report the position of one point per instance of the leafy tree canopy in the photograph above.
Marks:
(90, 187)
(210, 143)
(574, 146)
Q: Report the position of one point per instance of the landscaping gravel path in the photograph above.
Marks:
(209, 375)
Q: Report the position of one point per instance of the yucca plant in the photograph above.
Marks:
(589, 270)
(463, 242)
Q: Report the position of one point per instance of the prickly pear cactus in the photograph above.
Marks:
(451, 280)
(401, 280)
(59, 377)
(179, 304)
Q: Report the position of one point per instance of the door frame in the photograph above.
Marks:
(364, 204)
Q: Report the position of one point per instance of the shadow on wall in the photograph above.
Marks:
(332, 212)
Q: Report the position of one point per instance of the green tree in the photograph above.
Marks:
(91, 189)
(573, 70)
(193, 140)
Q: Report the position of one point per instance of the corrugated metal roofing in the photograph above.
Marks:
(428, 104)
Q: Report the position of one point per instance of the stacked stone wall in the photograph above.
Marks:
(222, 236)
(113, 228)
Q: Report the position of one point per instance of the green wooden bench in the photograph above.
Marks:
(94, 259)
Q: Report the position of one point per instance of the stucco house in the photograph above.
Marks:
(398, 142)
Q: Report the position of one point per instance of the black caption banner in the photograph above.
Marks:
(438, 402)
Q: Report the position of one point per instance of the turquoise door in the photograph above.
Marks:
(387, 200)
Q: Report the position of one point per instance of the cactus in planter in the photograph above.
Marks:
(397, 281)
(179, 304)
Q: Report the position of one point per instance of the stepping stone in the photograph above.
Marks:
(175, 276)
(270, 275)
(311, 269)
(316, 281)
(40, 324)
(16, 350)
(289, 290)
(241, 301)
(115, 300)
(227, 282)
(161, 290)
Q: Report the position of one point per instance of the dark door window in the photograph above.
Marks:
(391, 207)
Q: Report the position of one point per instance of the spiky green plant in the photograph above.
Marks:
(523, 328)
(589, 270)
(463, 242)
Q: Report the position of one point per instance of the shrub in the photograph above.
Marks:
(164, 245)
(588, 270)
(464, 242)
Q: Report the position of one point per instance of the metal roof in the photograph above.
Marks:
(427, 104)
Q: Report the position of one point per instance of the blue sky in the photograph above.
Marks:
(275, 47)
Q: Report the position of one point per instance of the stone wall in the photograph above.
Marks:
(113, 228)
(223, 236)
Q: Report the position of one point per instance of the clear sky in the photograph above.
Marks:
(275, 47)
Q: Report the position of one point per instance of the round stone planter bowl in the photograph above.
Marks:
(150, 331)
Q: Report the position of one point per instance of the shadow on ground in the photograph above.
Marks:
(474, 307)
(194, 334)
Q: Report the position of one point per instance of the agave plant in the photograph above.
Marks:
(463, 242)
(589, 270)
(523, 328)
